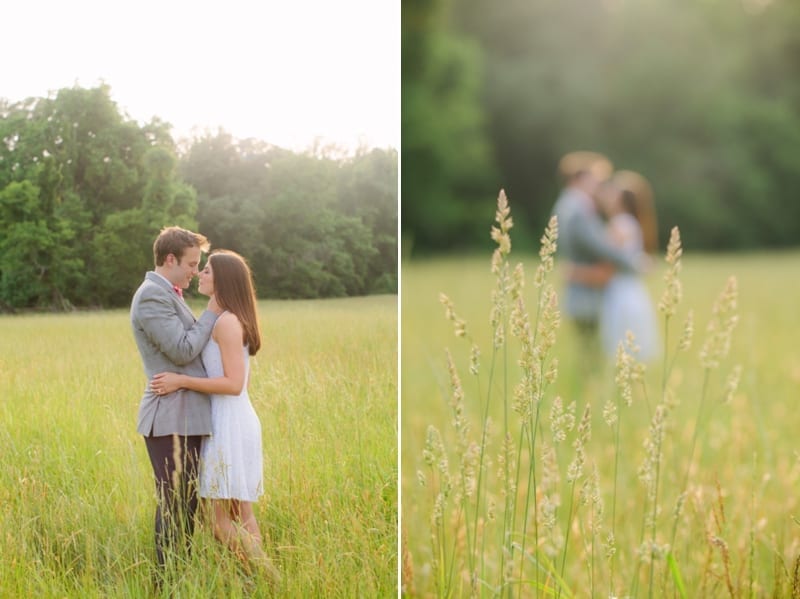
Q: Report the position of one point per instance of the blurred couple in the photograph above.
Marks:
(606, 237)
(202, 434)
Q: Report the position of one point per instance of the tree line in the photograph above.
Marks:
(84, 190)
(703, 98)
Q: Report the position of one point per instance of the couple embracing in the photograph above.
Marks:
(202, 435)
(607, 235)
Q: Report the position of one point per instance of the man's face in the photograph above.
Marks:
(181, 272)
(590, 183)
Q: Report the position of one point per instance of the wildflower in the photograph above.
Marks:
(546, 251)
(500, 268)
(610, 412)
(647, 472)
(474, 359)
(550, 473)
(720, 328)
(517, 282)
(598, 506)
(519, 319)
(575, 469)
(688, 332)
(469, 465)
(435, 454)
(623, 375)
(459, 324)
(549, 320)
(428, 454)
(491, 510)
(500, 235)
(610, 545)
(507, 456)
(552, 372)
(457, 402)
(732, 383)
(548, 513)
(523, 396)
(499, 304)
(438, 510)
(673, 292)
(561, 421)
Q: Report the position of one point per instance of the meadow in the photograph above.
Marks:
(76, 490)
(691, 491)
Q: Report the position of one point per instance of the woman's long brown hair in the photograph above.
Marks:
(235, 292)
(638, 195)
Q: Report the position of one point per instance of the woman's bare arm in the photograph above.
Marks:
(228, 334)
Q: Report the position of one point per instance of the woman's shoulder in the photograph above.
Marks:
(626, 224)
(227, 323)
(625, 219)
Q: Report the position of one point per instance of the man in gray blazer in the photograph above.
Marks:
(582, 238)
(170, 339)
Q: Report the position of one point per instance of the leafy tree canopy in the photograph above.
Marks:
(84, 190)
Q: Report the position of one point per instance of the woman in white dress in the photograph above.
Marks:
(627, 203)
(627, 305)
(231, 458)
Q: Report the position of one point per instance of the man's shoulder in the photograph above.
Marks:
(568, 205)
(572, 197)
(148, 290)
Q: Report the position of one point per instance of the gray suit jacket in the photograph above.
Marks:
(582, 239)
(170, 340)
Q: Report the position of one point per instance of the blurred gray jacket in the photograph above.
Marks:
(582, 239)
(170, 340)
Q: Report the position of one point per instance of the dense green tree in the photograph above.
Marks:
(703, 98)
(37, 261)
(311, 225)
(83, 190)
(447, 162)
(368, 189)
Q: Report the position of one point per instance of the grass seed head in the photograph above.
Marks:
(732, 383)
(719, 331)
(673, 291)
(547, 251)
(459, 325)
(685, 342)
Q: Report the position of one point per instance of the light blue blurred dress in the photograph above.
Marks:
(626, 302)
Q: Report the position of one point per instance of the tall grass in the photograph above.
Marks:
(556, 472)
(76, 492)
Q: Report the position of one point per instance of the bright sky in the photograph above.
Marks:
(283, 71)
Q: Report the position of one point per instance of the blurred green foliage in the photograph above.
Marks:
(703, 98)
(84, 190)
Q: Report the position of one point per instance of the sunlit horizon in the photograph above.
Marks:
(296, 75)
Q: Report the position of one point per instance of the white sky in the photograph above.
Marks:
(283, 71)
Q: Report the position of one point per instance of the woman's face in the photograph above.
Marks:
(608, 199)
(206, 280)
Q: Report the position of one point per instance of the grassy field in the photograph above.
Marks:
(76, 491)
(517, 522)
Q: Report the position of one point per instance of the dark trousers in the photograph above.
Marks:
(174, 459)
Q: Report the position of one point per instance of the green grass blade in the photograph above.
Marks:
(676, 575)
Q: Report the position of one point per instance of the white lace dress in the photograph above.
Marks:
(231, 458)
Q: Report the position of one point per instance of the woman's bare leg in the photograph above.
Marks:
(230, 529)
(225, 530)
(248, 520)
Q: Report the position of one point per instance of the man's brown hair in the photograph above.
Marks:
(175, 241)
